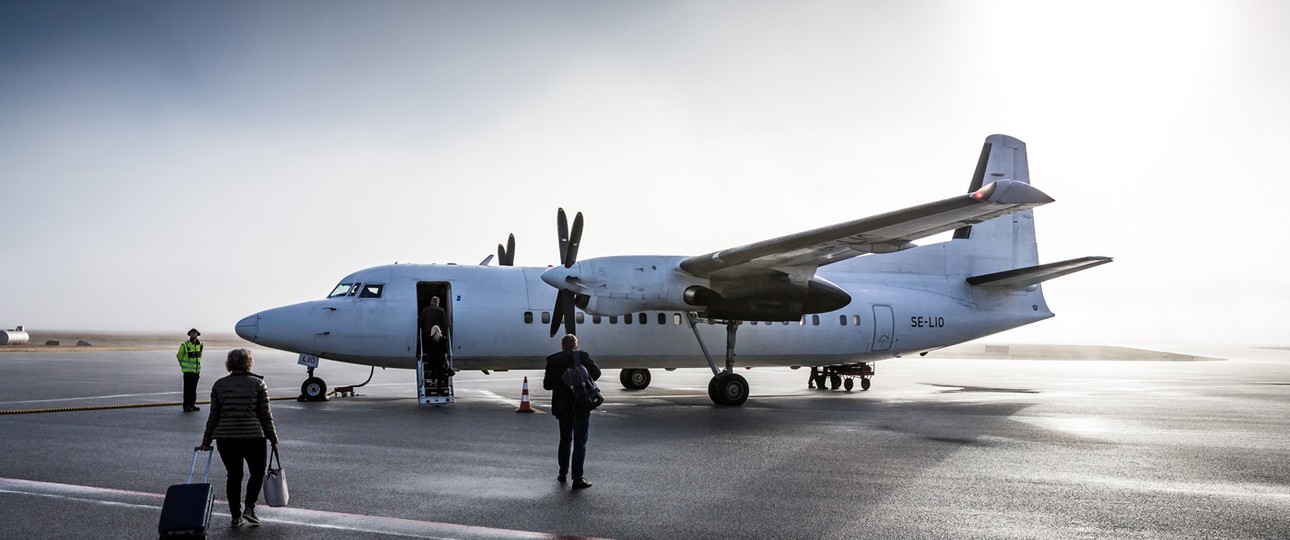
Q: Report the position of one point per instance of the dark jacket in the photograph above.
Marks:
(433, 316)
(240, 409)
(561, 396)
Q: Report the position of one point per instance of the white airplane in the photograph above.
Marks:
(836, 298)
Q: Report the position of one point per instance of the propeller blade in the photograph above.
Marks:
(563, 223)
(569, 324)
(575, 238)
(506, 255)
(557, 313)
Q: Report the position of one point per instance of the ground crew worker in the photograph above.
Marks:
(190, 362)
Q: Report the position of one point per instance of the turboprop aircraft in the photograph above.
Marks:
(836, 298)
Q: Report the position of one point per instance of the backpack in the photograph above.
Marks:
(586, 395)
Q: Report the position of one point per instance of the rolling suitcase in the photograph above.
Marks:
(186, 512)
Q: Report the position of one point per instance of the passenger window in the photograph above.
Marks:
(579, 317)
(627, 319)
(595, 319)
(815, 320)
(662, 318)
(676, 318)
(613, 319)
(640, 318)
(855, 319)
(372, 290)
(842, 319)
(802, 321)
(546, 317)
(528, 317)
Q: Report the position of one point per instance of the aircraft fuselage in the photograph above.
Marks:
(500, 320)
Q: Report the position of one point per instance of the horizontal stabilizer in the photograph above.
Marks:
(1025, 277)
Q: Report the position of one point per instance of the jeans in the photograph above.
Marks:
(573, 429)
(233, 452)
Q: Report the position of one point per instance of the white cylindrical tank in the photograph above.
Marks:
(13, 337)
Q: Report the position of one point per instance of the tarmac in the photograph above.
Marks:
(938, 448)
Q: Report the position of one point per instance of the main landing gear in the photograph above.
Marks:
(634, 379)
(843, 376)
(726, 386)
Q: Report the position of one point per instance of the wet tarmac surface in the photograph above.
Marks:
(939, 448)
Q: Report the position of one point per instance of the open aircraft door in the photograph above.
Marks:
(434, 376)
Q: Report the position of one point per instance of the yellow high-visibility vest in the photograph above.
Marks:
(190, 357)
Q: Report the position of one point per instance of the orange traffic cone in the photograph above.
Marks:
(524, 399)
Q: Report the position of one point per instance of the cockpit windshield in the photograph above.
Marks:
(344, 289)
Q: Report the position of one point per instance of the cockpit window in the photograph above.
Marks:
(371, 290)
(344, 289)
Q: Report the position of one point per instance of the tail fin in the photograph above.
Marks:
(1006, 242)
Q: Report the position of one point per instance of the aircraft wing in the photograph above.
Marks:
(883, 233)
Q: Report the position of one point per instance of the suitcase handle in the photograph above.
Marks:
(210, 455)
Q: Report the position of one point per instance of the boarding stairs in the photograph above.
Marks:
(431, 391)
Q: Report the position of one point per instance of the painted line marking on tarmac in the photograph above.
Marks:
(494, 397)
(407, 528)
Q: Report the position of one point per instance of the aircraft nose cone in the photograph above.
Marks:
(248, 328)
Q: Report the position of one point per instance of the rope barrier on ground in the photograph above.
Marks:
(118, 406)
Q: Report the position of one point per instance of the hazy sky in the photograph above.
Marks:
(173, 164)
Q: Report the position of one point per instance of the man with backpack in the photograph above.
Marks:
(570, 376)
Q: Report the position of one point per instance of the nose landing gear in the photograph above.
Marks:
(313, 389)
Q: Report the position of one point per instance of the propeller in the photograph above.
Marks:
(566, 299)
(506, 255)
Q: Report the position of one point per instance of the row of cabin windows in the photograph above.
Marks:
(642, 319)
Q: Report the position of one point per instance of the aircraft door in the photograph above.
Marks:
(430, 289)
(884, 328)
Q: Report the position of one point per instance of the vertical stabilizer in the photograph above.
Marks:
(1006, 242)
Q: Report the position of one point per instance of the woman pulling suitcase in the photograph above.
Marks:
(241, 421)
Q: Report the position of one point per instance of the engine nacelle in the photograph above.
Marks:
(622, 285)
(766, 298)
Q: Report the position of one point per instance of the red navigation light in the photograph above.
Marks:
(984, 193)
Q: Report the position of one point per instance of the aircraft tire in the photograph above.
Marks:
(314, 389)
(835, 381)
(728, 389)
(849, 384)
(634, 379)
(864, 384)
(820, 381)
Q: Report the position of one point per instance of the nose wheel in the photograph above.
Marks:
(313, 389)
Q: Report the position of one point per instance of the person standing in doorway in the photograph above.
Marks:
(241, 421)
(574, 422)
(433, 316)
(190, 363)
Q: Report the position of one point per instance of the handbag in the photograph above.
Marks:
(275, 483)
